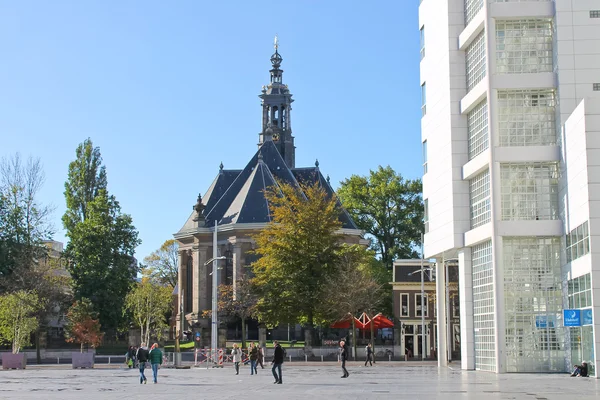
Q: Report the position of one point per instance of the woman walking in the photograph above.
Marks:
(253, 358)
(344, 357)
(237, 357)
(142, 357)
(156, 359)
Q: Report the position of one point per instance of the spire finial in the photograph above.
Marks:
(317, 163)
(221, 166)
(276, 43)
(328, 178)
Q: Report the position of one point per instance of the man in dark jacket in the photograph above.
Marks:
(344, 357)
(277, 361)
(142, 357)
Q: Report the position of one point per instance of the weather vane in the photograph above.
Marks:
(276, 42)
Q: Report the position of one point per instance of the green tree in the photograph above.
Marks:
(387, 207)
(17, 318)
(162, 264)
(82, 325)
(298, 254)
(102, 240)
(354, 289)
(148, 304)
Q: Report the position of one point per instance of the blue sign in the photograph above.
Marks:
(197, 334)
(545, 321)
(572, 317)
(587, 318)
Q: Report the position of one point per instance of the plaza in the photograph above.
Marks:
(410, 380)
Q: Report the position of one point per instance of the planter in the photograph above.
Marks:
(82, 360)
(14, 361)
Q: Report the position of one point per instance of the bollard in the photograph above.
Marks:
(390, 357)
(58, 360)
(321, 357)
(290, 358)
(108, 360)
(305, 358)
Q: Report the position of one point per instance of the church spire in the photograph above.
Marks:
(276, 105)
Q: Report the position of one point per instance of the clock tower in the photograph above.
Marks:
(276, 108)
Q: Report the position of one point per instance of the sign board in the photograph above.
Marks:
(587, 317)
(572, 317)
(545, 321)
(197, 334)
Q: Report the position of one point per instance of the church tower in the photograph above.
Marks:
(276, 108)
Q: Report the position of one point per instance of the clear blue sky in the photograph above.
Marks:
(168, 90)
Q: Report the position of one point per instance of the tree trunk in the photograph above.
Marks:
(81, 348)
(354, 338)
(243, 333)
(38, 356)
(308, 333)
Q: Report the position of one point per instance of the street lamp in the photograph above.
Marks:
(214, 333)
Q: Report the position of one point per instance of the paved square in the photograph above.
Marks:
(301, 381)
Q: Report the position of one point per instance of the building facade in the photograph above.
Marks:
(408, 305)
(511, 143)
(235, 203)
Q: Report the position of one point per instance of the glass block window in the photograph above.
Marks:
(426, 214)
(480, 199)
(533, 304)
(594, 13)
(527, 118)
(404, 305)
(580, 292)
(422, 31)
(483, 307)
(578, 242)
(475, 56)
(524, 46)
(423, 99)
(596, 87)
(477, 123)
(529, 191)
(472, 7)
(418, 307)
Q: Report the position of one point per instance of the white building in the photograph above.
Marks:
(511, 145)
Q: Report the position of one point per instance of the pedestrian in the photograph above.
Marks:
(277, 361)
(580, 370)
(253, 353)
(142, 358)
(261, 355)
(344, 357)
(237, 357)
(156, 359)
(369, 351)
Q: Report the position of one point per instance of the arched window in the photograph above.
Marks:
(275, 116)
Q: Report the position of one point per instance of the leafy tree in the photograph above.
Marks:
(354, 289)
(298, 254)
(387, 207)
(241, 305)
(163, 263)
(82, 325)
(17, 318)
(24, 221)
(148, 303)
(102, 240)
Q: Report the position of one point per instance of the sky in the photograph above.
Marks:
(169, 90)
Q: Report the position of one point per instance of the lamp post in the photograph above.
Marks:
(214, 332)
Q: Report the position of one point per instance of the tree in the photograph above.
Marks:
(163, 263)
(17, 318)
(148, 303)
(298, 254)
(82, 325)
(354, 289)
(102, 240)
(24, 221)
(387, 207)
(242, 304)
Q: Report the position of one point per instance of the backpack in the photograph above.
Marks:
(284, 352)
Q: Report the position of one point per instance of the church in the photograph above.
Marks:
(236, 204)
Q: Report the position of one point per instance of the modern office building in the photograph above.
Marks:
(511, 176)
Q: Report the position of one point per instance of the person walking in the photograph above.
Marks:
(156, 359)
(277, 361)
(237, 357)
(142, 358)
(344, 357)
(261, 355)
(253, 353)
(369, 351)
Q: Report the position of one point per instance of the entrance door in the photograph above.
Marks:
(409, 344)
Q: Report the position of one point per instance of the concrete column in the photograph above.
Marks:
(199, 254)
(465, 287)
(440, 288)
(200, 279)
(180, 284)
(237, 266)
(195, 289)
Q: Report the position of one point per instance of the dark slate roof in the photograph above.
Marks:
(238, 196)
